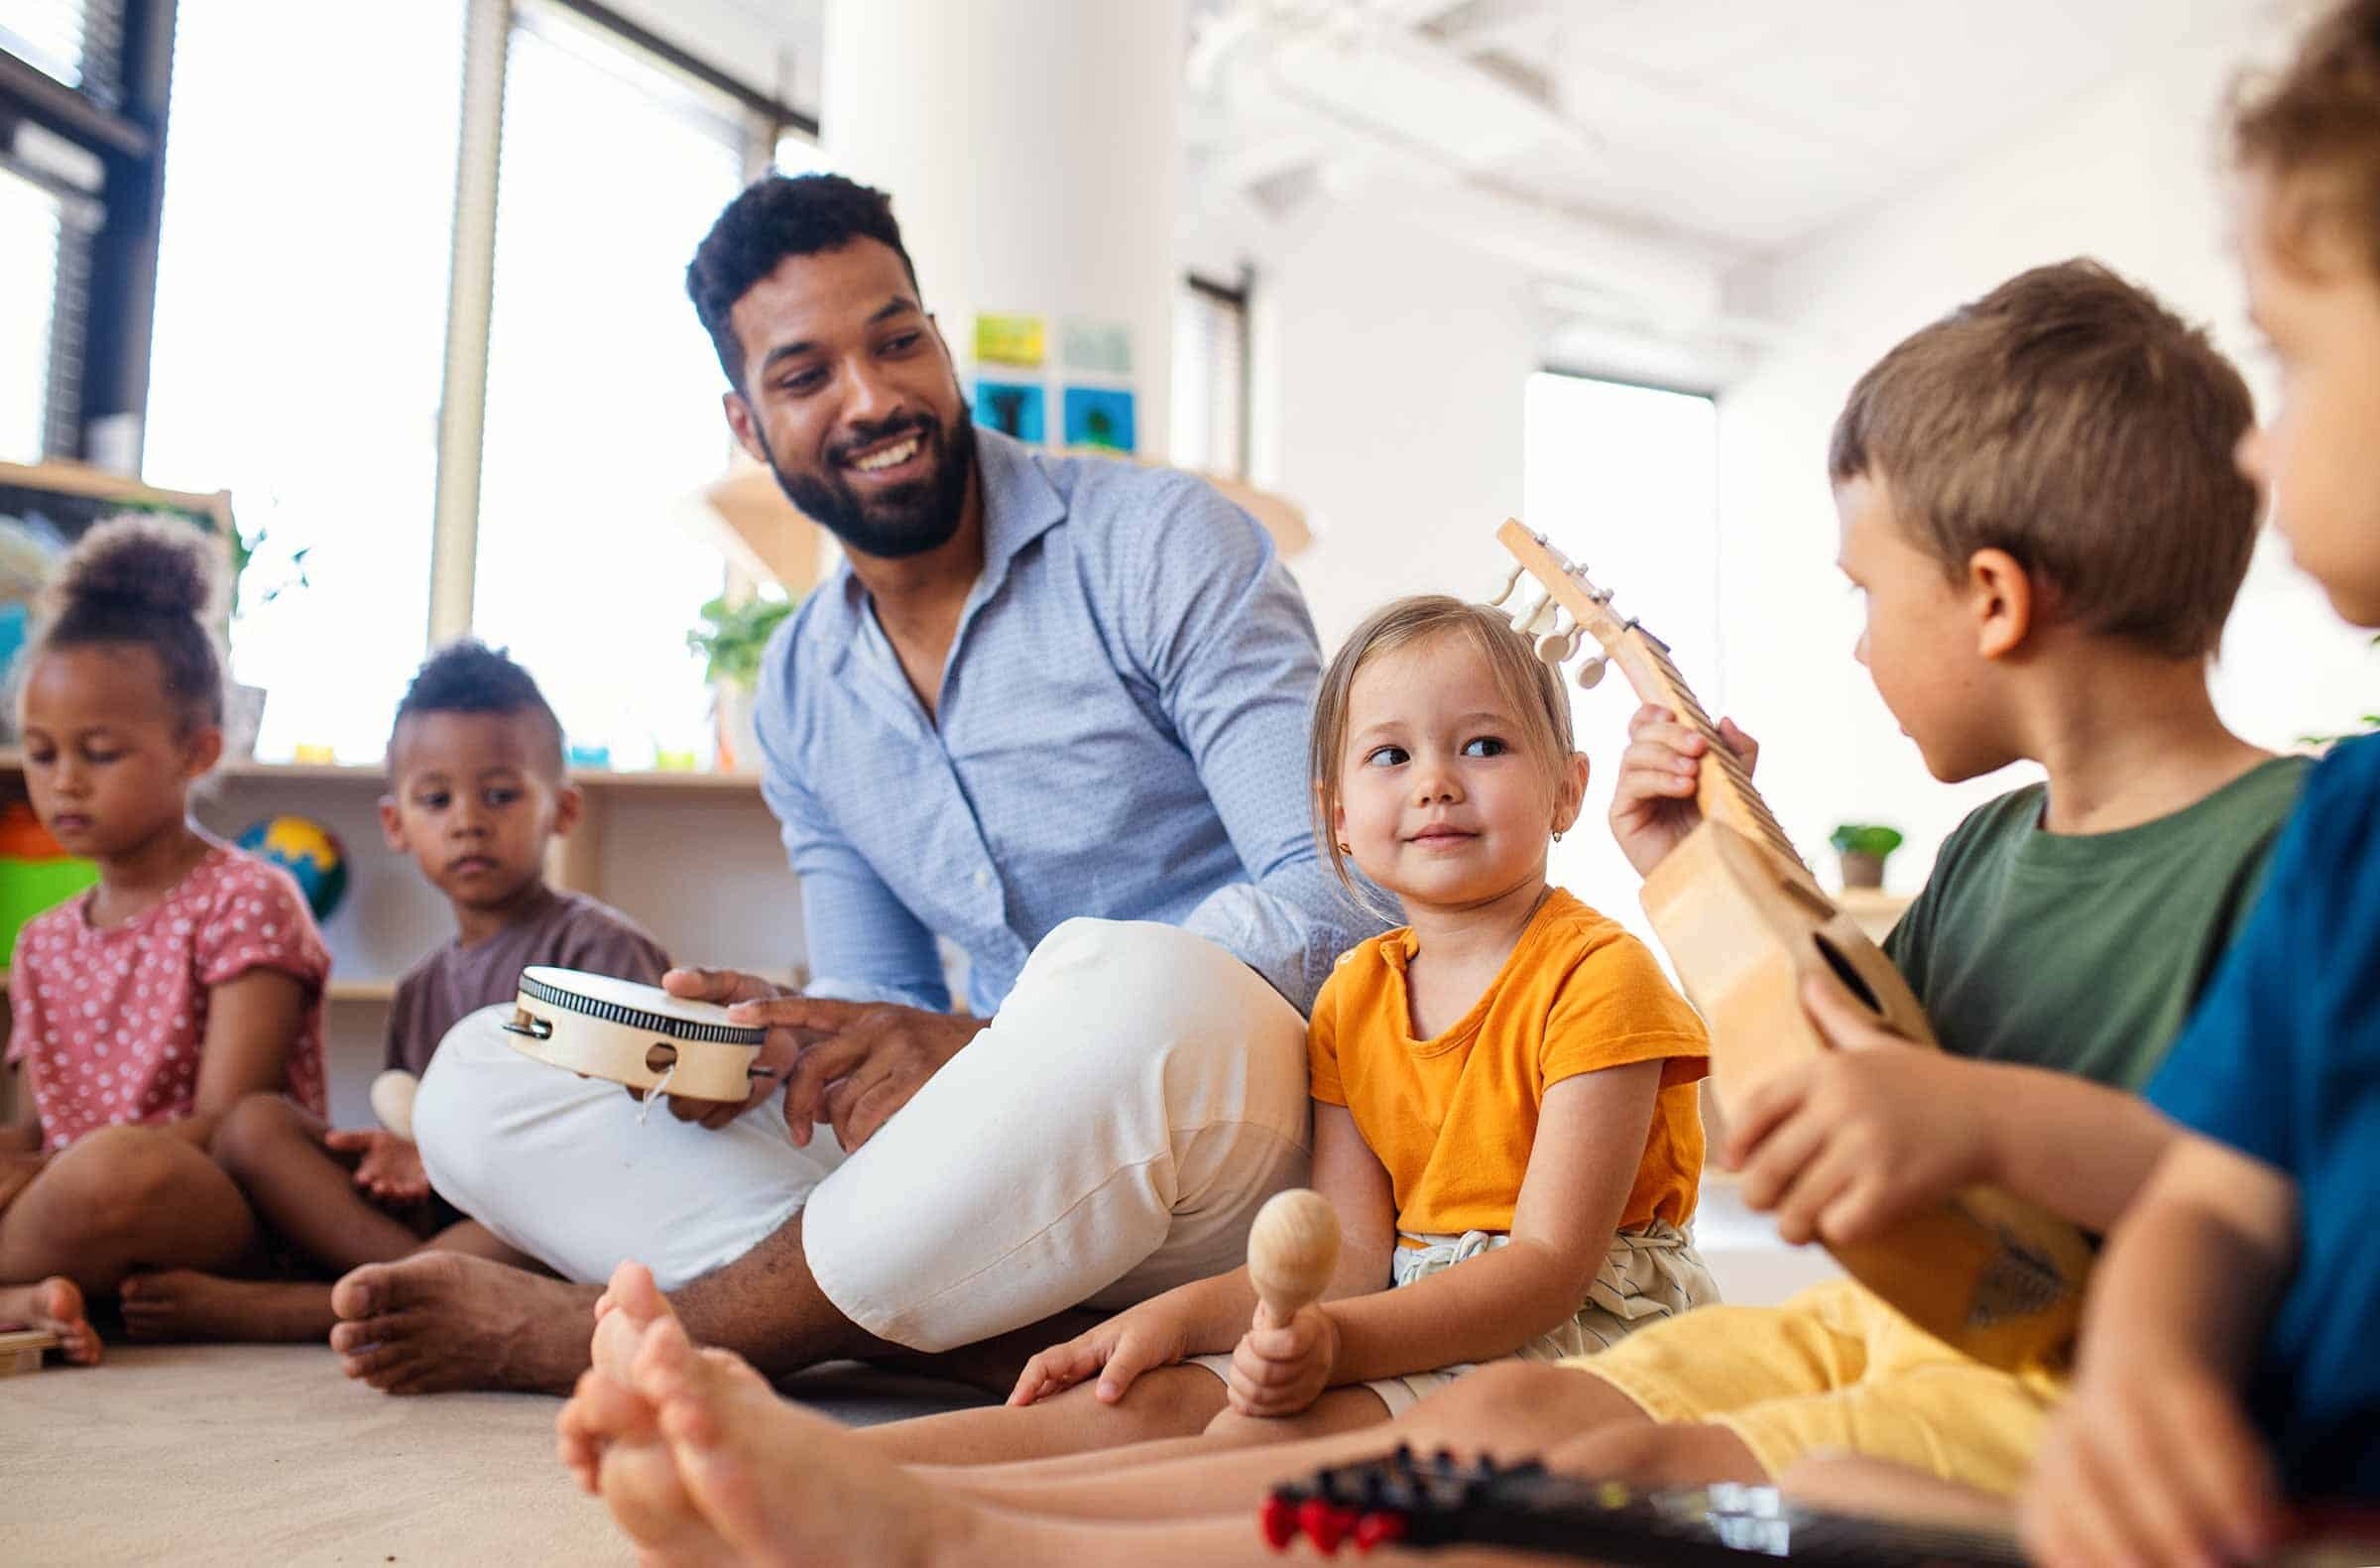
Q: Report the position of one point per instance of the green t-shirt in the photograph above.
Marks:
(2084, 953)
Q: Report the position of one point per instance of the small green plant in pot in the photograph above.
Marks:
(1863, 846)
(731, 639)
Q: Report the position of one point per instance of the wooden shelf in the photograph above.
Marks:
(336, 991)
(371, 775)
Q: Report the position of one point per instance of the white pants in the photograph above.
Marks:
(1108, 1137)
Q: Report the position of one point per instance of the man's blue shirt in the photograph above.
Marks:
(1121, 733)
(2282, 1061)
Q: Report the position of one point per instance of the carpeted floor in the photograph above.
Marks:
(265, 1454)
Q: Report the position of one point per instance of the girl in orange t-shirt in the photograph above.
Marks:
(1508, 1083)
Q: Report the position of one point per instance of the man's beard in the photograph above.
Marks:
(907, 520)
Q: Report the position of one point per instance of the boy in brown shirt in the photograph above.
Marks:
(477, 792)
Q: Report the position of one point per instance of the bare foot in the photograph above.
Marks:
(54, 1306)
(439, 1321)
(183, 1303)
(629, 1305)
(777, 1483)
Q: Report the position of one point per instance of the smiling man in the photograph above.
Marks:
(1050, 711)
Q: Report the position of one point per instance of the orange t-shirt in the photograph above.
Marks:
(1453, 1118)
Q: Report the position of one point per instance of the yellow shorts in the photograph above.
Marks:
(1835, 1369)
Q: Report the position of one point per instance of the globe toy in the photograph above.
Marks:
(309, 852)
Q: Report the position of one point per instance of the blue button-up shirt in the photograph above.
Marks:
(1121, 733)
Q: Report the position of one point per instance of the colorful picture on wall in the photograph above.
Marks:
(1009, 339)
(1100, 417)
(1102, 348)
(1013, 408)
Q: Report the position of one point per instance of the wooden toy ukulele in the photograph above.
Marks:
(1746, 924)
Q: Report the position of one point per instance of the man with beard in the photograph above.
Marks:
(1050, 711)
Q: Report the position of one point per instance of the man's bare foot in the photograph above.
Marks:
(183, 1303)
(54, 1306)
(439, 1321)
(777, 1483)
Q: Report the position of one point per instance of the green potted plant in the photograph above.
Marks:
(251, 592)
(730, 637)
(1863, 846)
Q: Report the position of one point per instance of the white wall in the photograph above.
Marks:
(1388, 368)
(2131, 175)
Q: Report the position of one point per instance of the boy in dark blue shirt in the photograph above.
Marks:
(2226, 1357)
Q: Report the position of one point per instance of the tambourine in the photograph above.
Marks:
(636, 1034)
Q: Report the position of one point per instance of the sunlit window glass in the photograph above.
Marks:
(300, 331)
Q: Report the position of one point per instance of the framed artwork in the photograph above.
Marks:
(1100, 417)
(1013, 408)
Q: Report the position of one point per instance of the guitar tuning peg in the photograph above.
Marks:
(1533, 622)
(1590, 673)
(1559, 645)
(1511, 581)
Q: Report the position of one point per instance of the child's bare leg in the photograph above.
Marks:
(770, 1482)
(185, 1304)
(1509, 1411)
(1854, 1483)
(1167, 1402)
(275, 1152)
(123, 1198)
(56, 1306)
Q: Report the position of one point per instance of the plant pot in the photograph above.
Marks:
(243, 716)
(733, 708)
(1862, 871)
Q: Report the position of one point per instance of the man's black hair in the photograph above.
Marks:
(469, 677)
(775, 217)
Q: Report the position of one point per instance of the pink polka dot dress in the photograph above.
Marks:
(107, 1023)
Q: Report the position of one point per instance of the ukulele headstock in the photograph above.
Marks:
(1569, 607)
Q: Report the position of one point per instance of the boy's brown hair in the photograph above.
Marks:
(1526, 682)
(2320, 117)
(2071, 420)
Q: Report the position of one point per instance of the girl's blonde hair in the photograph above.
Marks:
(1526, 682)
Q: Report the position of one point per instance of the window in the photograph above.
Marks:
(31, 228)
(603, 392)
(77, 43)
(1210, 378)
(1625, 481)
(301, 331)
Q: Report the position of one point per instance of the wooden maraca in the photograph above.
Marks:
(1291, 1250)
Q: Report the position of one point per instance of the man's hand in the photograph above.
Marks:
(1654, 803)
(1848, 1144)
(391, 1167)
(727, 987)
(1282, 1370)
(858, 1062)
(1140, 1339)
(2152, 1461)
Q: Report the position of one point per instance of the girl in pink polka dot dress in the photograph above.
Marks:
(142, 1011)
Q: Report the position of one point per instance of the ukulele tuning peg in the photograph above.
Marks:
(1558, 645)
(1590, 673)
(1533, 622)
(1510, 582)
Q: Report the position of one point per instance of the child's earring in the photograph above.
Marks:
(1347, 849)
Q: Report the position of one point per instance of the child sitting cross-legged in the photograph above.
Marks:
(476, 792)
(144, 1009)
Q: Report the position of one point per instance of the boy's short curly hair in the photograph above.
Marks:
(779, 216)
(2315, 126)
(469, 677)
(2071, 420)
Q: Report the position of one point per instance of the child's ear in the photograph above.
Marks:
(569, 805)
(392, 825)
(1574, 792)
(202, 751)
(1999, 596)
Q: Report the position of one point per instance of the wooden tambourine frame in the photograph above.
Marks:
(634, 1035)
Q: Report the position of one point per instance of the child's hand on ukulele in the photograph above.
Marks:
(1653, 803)
(1280, 1370)
(2152, 1461)
(1153, 1334)
(1856, 1138)
(391, 1169)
